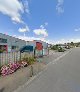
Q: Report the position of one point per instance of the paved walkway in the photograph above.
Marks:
(52, 56)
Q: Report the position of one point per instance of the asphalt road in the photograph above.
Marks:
(60, 76)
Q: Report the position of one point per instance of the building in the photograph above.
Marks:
(34, 43)
(9, 43)
(40, 47)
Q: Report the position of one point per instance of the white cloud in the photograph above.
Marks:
(42, 26)
(78, 29)
(59, 6)
(34, 38)
(28, 38)
(60, 2)
(41, 31)
(62, 41)
(13, 9)
(26, 6)
(46, 23)
(24, 29)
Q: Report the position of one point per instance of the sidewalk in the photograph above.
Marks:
(52, 56)
(11, 82)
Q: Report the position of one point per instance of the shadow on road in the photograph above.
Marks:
(2, 90)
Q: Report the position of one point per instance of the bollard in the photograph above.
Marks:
(31, 71)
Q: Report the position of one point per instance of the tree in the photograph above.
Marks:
(72, 44)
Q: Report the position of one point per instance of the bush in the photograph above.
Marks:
(25, 59)
(29, 60)
(55, 47)
(60, 49)
(1, 51)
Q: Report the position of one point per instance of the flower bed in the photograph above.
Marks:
(12, 67)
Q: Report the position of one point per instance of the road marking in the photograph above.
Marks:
(34, 77)
(54, 61)
(29, 81)
(60, 57)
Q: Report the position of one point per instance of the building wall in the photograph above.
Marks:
(33, 43)
(12, 41)
(39, 52)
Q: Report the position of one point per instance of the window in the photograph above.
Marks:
(3, 40)
(13, 47)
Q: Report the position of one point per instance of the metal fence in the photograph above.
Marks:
(5, 58)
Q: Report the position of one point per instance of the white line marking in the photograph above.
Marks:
(29, 81)
(54, 61)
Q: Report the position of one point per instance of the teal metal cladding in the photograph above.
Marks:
(27, 48)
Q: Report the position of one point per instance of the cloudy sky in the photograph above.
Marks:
(53, 21)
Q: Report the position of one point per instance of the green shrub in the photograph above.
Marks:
(1, 51)
(25, 59)
(29, 60)
(55, 47)
(60, 49)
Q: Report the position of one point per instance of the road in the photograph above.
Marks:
(60, 76)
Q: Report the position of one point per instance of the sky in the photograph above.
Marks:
(53, 21)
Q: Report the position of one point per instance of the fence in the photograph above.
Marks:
(5, 58)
